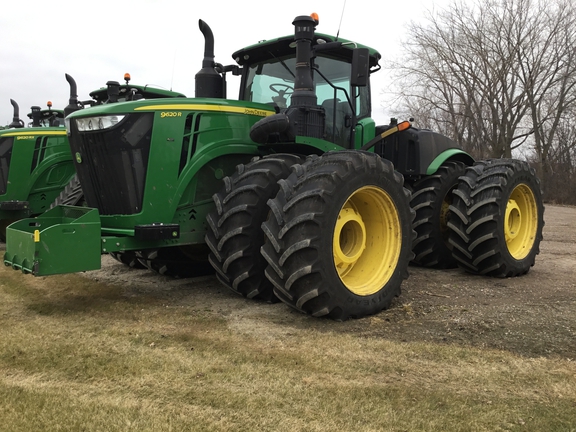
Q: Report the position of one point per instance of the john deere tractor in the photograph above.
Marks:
(36, 169)
(114, 92)
(291, 192)
(35, 164)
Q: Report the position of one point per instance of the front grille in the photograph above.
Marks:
(112, 164)
(6, 144)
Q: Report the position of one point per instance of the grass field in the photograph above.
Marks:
(81, 355)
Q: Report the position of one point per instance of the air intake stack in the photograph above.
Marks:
(304, 85)
(303, 117)
(35, 115)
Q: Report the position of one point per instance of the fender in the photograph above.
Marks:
(450, 154)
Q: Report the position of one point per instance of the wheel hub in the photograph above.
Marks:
(349, 239)
(520, 222)
(367, 240)
(512, 220)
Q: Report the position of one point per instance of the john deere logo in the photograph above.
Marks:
(78, 158)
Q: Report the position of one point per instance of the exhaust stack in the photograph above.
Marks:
(16, 121)
(73, 104)
(113, 91)
(209, 83)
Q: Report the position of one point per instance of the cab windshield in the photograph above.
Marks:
(273, 83)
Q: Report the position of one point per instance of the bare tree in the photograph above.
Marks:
(495, 75)
(547, 70)
(559, 174)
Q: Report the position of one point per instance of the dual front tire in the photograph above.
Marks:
(333, 240)
(432, 196)
(235, 235)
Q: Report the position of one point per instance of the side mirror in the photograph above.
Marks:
(360, 67)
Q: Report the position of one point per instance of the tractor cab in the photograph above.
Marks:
(327, 92)
(46, 117)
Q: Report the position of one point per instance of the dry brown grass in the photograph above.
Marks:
(78, 354)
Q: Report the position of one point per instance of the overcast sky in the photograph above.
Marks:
(159, 43)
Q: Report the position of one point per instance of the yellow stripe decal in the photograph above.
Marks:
(389, 132)
(35, 133)
(206, 107)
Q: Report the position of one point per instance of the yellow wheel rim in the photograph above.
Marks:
(367, 240)
(520, 222)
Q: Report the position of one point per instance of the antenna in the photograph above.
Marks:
(341, 16)
(173, 67)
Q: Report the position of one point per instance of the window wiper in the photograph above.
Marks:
(283, 64)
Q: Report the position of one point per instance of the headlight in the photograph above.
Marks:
(97, 123)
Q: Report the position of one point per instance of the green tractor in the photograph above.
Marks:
(35, 164)
(291, 192)
(114, 92)
(36, 168)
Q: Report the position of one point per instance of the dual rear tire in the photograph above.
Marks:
(487, 218)
(498, 217)
(432, 196)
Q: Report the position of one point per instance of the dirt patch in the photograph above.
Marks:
(533, 315)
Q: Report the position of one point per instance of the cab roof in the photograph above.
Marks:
(280, 47)
(147, 92)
